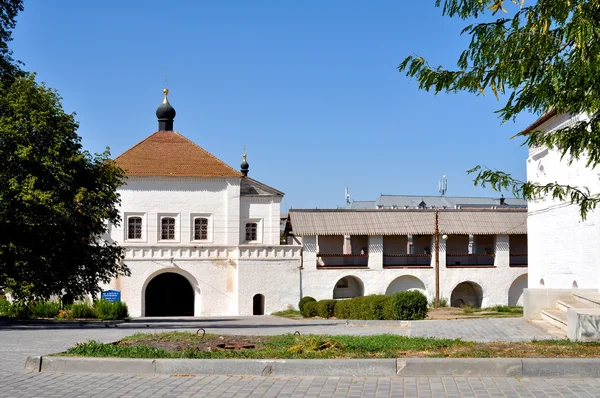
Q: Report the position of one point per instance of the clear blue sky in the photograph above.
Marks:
(311, 87)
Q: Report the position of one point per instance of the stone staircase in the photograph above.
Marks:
(576, 317)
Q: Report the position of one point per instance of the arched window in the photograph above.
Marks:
(251, 231)
(167, 228)
(200, 229)
(134, 228)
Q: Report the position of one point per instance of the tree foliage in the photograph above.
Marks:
(535, 56)
(56, 200)
(8, 14)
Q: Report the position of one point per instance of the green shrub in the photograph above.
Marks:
(5, 308)
(443, 302)
(305, 300)
(107, 310)
(410, 305)
(309, 309)
(325, 308)
(343, 309)
(368, 307)
(81, 310)
(13, 310)
(44, 309)
(502, 308)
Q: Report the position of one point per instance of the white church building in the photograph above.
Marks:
(200, 238)
(564, 250)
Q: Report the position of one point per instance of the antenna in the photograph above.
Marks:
(443, 185)
(347, 196)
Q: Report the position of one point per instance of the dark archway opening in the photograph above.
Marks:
(169, 294)
(468, 294)
(258, 304)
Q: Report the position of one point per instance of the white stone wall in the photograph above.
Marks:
(182, 198)
(224, 274)
(564, 251)
(224, 279)
(275, 274)
(495, 282)
(265, 212)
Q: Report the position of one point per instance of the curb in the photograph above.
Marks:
(408, 367)
(59, 323)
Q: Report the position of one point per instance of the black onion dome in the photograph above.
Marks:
(244, 167)
(165, 110)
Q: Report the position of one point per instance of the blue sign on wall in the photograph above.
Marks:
(111, 295)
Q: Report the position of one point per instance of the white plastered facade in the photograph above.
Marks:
(225, 270)
(500, 284)
(563, 249)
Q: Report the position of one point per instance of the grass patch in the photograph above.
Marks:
(189, 345)
(291, 314)
(498, 311)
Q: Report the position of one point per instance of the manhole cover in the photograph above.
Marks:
(236, 346)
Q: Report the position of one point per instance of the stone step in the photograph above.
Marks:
(555, 332)
(557, 318)
(565, 304)
(591, 300)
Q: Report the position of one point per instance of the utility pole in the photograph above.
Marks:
(437, 259)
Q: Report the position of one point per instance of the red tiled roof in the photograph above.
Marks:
(168, 153)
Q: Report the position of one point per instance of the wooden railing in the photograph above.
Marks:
(407, 260)
(518, 259)
(462, 260)
(342, 260)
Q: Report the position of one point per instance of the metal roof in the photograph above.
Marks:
(413, 201)
(407, 222)
(362, 204)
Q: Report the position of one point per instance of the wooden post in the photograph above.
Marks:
(437, 260)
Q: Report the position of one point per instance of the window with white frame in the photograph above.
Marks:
(251, 231)
(134, 228)
(167, 231)
(201, 228)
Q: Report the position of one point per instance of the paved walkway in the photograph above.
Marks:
(109, 386)
(17, 341)
(20, 340)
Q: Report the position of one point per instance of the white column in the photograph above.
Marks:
(502, 251)
(375, 252)
(309, 252)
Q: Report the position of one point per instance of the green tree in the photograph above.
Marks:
(8, 13)
(537, 57)
(56, 200)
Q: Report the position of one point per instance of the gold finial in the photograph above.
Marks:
(244, 153)
(166, 92)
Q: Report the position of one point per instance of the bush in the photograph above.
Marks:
(325, 308)
(410, 305)
(305, 300)
(44, 309)
(309, 309)
(107, 310)
(80, 310)
(368, 307)
(13, 310)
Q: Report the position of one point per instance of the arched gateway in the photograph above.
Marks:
(169, 294)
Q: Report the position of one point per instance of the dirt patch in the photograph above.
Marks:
(208, 343)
